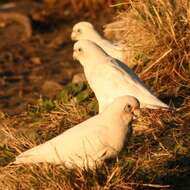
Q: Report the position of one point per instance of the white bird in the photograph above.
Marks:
(110, 78)
(89, 143)
(86, 31)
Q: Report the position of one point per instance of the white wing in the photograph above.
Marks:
(121, 80)
(114, 51)
(136, 85)
(86, 142)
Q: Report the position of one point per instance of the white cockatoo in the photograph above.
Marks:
(86, 31)
(110, 78)
(89, 143)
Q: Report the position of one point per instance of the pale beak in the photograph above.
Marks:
(73, 36)
(74, 55)
(136, 113)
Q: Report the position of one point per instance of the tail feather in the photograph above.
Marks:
(28, 158)
(156, 105)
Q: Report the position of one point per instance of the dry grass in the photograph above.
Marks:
(146, 162)
(157, 33)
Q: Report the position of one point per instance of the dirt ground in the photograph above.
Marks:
(34, 62)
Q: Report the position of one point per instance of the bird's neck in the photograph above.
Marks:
(117, 126)
(101, 42)
(96, 36)
(116, 117)
(93, 60)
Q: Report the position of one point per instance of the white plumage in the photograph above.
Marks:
(110, 78)
(86, 31)
(89, 143)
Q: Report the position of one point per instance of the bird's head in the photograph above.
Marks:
(83, 31)
(126, 107)
(87, 52)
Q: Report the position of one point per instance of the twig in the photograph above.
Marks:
(118, 4)
(110, 178)
(134, 171)
(152, 65)
(156, 138)
(150, 185)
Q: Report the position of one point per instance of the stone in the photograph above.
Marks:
(79, 77)
(51, 88)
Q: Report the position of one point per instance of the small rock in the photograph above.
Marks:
(79, 77)
(9, 18)
(2, 24)
(51, 88)
(36, 60)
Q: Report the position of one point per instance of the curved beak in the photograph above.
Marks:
(74, 55)
(73, 36)
(136, 113)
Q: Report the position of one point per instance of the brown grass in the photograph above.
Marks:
(147, 160)
(157, 34)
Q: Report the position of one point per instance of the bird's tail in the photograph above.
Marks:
(161, 105)
(23, 159)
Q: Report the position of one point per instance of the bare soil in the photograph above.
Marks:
(27, 63)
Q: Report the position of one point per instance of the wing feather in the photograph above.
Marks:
(126, 80)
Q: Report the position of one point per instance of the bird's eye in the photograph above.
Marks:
(128, 108)
(79, 30)
(80, 49)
